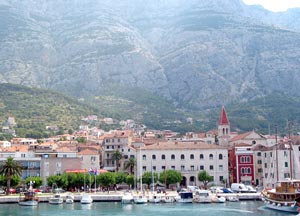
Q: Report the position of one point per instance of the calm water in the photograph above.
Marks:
(164, 209)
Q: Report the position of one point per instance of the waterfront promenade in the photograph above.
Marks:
(113, 196)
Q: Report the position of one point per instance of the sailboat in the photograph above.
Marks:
(85, 198)
(141, 198)
(282, 198)
(153, 198)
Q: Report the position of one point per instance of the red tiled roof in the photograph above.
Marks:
(223, 117)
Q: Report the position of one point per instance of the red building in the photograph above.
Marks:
(244, 163)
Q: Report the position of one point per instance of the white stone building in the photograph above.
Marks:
(189, 158)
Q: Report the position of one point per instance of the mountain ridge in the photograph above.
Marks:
(198, 55)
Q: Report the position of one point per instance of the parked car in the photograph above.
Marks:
(2, 191)
(227, 190)
(12, 190)
(239, 188)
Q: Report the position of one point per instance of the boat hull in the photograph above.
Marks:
(28, 203)
(291, 209)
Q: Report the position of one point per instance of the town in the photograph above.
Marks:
(229, 157)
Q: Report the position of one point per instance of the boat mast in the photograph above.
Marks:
(290, 145)
(141, 170)
(276, 153)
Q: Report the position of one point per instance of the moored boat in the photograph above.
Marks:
(282, 198)
(29, 199)
(202, 196)
(86, 199)
(56, 199)
(127, 198)
(69, 199)
(184, 197)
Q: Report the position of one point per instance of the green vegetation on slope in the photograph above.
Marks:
(34, 109)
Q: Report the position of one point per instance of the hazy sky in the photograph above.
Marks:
(275, 5)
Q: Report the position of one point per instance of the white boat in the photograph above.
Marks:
(167, 199)
(127, 198)
(184, 197)
(86, 199)
(56, 199)
(232, 198)
(154, 198)
(29, 199)
(202, 196)
(217, 199)
(140, 199)
(282, 198)
(69, 199)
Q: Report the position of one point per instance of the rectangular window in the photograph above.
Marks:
(286, 175)
(182, 167)
(220, 167)
(211, 167)
(221, 178)
(265, 154)
(266, 165)
(260, 170)
(163, 167)
(286, 164)
(144, 168)
(285, 153)
(201, 167)
(266, 175)
(258, 154)
(23, 155)
(173, 167)
(259, 162)
(271, 154)
(154, 168)
(192, 168)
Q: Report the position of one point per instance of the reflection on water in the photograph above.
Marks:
(86, 206)
(127, 207)
(164, 209)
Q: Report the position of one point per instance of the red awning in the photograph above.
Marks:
(84, 171)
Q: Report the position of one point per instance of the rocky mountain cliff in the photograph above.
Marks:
(195, 54)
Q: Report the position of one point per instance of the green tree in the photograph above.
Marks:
(130, 180)
(117, 156)
(58, 180)
(9, 169)
(120, 177)
(204, 177)
(170, 177)
(130, 164)
(37, 181)
(107, 179)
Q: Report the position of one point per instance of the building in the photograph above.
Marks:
(189, 158)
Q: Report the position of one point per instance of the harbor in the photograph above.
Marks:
(117, 196)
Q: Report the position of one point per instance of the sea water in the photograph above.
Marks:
(254, 208)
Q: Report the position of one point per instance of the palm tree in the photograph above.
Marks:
(130, 164)
(117, 156)
(10, 168)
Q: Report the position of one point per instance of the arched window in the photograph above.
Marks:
(192, 157)
(211, 157)
(243, 170)
(153, 157)
(201, 157)
(172, 157)
(220, 157)
(182, 157)
(163, 157)
(242, 159)
(249, 170)
(248, 159)
(144, 157)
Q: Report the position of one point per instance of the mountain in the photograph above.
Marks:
(195, 54)
(34, 109)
